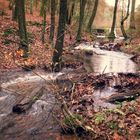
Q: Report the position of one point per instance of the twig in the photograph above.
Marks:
(78, 122)
(72, 92)
(104, 69)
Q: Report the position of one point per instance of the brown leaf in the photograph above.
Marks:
(116, 136)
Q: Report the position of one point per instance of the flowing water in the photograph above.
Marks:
(108, 61)
(103, 61)
(35, 123)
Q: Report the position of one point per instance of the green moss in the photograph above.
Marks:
(6, 42)
(70, 120)
(100, 118)
(8, 32)
(117, 111)
(112, 125)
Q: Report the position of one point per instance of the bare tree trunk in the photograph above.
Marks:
(132, 16)
(57, 5)
(42, 8)
(52, 29)
(123, 20)
(22, 27)
(82, 10)
(57, 55)
(91, 20)
(44, 20)
(31, 6)
(11, 4)
(49, 7)
(112, 33)
(71, 13)
(15, 11)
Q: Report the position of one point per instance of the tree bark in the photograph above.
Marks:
(57, 55)
(132, 16)
(11, 4)
(71, 13)
(15, 11)
(31, 6)
(82, 10)
(22, 27)
(44, 10)
(52, 29)
(91, 20)
(123, 20)
(36, 4)
(41, 8)
(112, 33)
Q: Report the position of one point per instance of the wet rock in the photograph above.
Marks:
(88, 52)
(111, 47)
(39, 107)
(6, 103)
(2, 116)
(32, 131)
(135, 58)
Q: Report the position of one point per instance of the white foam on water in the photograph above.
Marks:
(32, 78)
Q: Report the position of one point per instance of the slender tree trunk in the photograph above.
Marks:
(15, 11)
(11, 4)
(67, 13)
(49, 7)
(42, 8)
(57, 5)
(52, 29)
(36, 4)
(123, 20)
(71, 13)
(82, 10)
(31, 6)
(22, 27)
(112, 33)
(132, 16)
(44, 20)
(91, 20)
(57, 55)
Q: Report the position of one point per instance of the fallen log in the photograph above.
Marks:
(120, 97)
(28, 101)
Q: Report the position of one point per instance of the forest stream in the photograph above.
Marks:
(39, 121)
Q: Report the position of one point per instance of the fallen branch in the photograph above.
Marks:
(120, 97)
(67, 112)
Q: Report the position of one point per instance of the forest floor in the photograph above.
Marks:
(118, 124)
(40, 54)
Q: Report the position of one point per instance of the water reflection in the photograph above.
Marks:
(108, 61)
(113, 62)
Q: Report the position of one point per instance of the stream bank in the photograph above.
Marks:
(84, 93)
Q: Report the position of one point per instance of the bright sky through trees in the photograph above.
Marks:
(112, 2)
